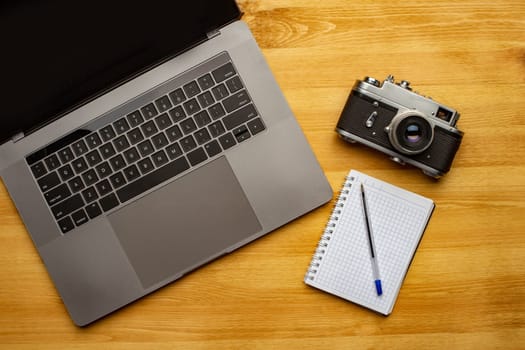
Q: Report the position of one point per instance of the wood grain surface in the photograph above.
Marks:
(466, 286)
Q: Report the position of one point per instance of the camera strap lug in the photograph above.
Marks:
(398, 160)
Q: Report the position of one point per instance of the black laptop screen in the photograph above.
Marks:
(59, 54)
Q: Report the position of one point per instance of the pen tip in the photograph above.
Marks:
(379, 288)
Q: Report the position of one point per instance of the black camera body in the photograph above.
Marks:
(405, 125)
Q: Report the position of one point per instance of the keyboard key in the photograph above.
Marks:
(145, 148)
(109, 202)
(145, 165)
(103, 187)
(149, 128)
(121, 126)
(197, 156)
(177, 114)
(239, 117)
(188, 143)
(202, 118)
(79, 165)
(152, 179)
(216, 129)
(103, 170)
(236, 101)
(90, 194)
(225, 72)
(202, 136)
(67, 206)
(177, 96)
(163, 121)
(90, 177)
(227, 141)
(131, 173)
(93, 140)
(121, 143)
(66, 155)
(79, 147)
(131, 155)
(159, 158)
(66, 224)
(52, 162)
(149, 111)
(135, 119)
(107, 133)
(49, 181)
(174, 133)
(159, 141)
(93, 158)
(191, 89)
(76, 184)
(205, 99)
(256, 126)
(93, 210)
(216, 111)
(107, 150)
(117, 180)
(213, 148)
(38, 169)
(241, 133)
(191, 106)
(205, 82)
(174, 151)
(57, 194)
(188, 126)
(163, 104)
(135, 136)
(117, 162)
(220, 92)
(234, 84)
(79, 217)
(66, 172)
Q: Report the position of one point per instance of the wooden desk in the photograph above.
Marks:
(466, 286)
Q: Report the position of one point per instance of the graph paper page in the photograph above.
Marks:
(342, 264)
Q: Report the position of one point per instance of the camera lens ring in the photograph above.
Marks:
(410, 132)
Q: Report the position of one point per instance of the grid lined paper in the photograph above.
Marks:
(344, 267)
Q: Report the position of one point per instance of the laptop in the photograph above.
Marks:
(141, 140)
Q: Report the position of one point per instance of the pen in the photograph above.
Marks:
(373, 257)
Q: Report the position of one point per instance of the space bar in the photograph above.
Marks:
(152, 179)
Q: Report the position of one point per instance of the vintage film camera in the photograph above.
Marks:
(409, 127)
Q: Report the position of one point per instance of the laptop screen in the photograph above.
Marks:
(59, 54)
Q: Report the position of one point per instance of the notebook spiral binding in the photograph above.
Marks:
(329, 229)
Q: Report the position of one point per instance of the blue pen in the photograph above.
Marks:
(373, 257)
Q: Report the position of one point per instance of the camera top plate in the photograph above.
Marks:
(402, 96)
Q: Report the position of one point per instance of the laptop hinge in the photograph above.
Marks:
(213, 34)
(18, 137)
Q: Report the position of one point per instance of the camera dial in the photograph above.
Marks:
(410, 132)
(405, 84)
(372, 81)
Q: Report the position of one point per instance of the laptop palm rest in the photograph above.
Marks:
(187, 223)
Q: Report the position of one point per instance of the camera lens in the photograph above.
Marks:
(413, 133)
(410, 133)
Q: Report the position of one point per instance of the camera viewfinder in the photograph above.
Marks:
(444, 114)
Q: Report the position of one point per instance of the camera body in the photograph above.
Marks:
(405, 125)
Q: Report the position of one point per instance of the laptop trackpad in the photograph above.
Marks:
(185, 223)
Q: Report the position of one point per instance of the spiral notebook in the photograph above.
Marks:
(342, 265)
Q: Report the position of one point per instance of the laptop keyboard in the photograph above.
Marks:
(196, 121)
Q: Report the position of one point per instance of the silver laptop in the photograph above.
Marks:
(141, 140)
